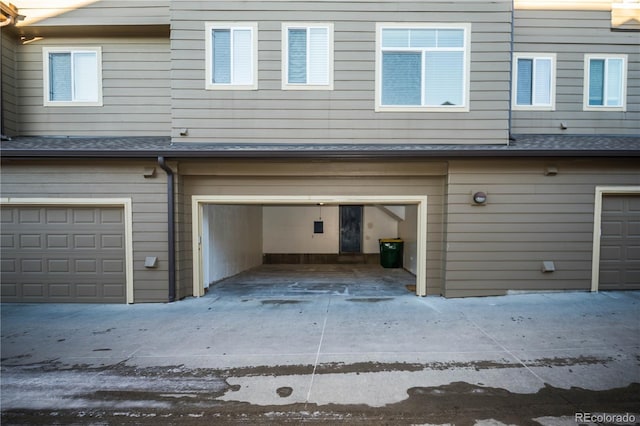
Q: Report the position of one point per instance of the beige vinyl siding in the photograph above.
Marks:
(135, 88)
(106, 179)
(95, 12)
(528, 218)
(571, 35)
(345, 114)
(340, 179)
(8, 91)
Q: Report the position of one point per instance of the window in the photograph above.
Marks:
(72, 76)
(232, 56)
(534, 81)
(605, 82)
(307, 56)
(422, 67)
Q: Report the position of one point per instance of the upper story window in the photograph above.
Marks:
(307, 56)
(422, 67)
(534, 81)
(72, 76)
(232, 56)
(605, 84)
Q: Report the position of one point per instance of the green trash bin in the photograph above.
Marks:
(391, 252)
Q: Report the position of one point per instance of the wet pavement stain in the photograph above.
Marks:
(370, 299)
(181, 395)
(284, 391)
(281, 302)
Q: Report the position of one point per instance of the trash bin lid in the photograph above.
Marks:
(391, 240)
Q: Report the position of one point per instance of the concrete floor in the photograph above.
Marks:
(323, 344)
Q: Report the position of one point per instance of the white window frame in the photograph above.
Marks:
(46, 51)
(585, 95)
(379, 107)
(286, 26)
(514, 88)
(209, 27)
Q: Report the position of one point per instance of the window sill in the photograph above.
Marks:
(231, 87)
(72, 104)
(383, 108)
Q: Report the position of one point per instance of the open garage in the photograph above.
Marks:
(232, 238)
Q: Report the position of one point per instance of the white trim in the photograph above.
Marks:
(125, 203)
(585, 93)
(285, 56)
(47, 84)
(209, 26)
(198, 202)
(597, 226)
(514, 87)
(418, 108)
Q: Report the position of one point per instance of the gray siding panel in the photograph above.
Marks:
(528, 218)
(97, 12)
(101, 179)
(346, 114)
(9, 89)
(571, 35)
(135, 86)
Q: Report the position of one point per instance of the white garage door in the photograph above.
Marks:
(620, 243)
(63, 254)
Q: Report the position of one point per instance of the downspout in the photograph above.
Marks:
(511, 42)
(171, 234)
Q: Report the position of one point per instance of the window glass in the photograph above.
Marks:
(297, 56)
(222, 56)
(444, 78)
(614, 82)
(60, 77)
(85, 70)
(542, 86)
(524, 95)
(596, 82)
(318, 56)
(401, 78)
(423, 67)
(242, 57)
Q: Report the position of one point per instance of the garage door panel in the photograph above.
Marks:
(29, 216)
(30, 241)
(31, 266)
(63, 254)
(60, 290)
(620, 243)
(57, 216)
(57, 241)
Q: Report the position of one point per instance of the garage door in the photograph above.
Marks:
(620, 243)
(63, 254)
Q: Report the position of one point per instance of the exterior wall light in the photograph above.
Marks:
(480, 198)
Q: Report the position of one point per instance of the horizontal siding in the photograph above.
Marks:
(8, 91)
(91, 179)
(528, 218)
(571, 35)
(96, 12)
(433, 187)
(345, 114)
(136, 95)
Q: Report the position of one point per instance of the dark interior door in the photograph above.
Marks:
(351, 229)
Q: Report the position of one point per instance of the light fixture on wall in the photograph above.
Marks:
(480, 198)
(318, 225)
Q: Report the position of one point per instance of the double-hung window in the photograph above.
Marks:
(231, 56)
(307, 56)
(534, 81)
(605, 83)
(422, 67)
(72, 76)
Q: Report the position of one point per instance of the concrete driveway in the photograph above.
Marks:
(342, 344)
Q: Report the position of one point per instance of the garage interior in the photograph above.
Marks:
(323, 239)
